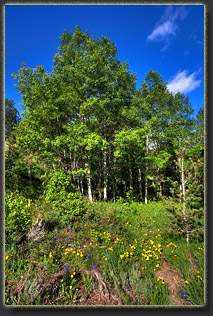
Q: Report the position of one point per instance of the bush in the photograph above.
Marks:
(59, 187)
(62, 202)
(18, 213)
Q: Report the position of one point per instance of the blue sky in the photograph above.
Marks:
(165, 38)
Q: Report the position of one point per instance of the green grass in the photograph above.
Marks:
(117, 245)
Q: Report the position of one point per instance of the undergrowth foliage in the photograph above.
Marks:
(115, 249)
(18, 213)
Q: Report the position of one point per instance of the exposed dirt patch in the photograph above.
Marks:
(171, 277)
(95, 298)
(194, 265)
(135, 299)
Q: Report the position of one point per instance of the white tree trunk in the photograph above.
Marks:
(140, 182)
(114, 197)
(183, 188)
(105, 173)
(146, 180)
(184, 195)
(74, 168)
(160, 185)
(146, 191)
(81, 186)
(130, 179)
(89, 185)
(29, 171)
(65, 161)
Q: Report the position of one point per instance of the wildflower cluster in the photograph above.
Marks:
(132, 246)
(172, 253)
(153, 251)
(92, 266)
(198, 276)
(102, 238)
(172, 246)
(68, 283)
(185, 297)
(161, 280)
(126, 255)
(73, 251)
(200, 248)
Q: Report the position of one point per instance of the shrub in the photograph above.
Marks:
(18, 213)
(62, 193)
(58, 188)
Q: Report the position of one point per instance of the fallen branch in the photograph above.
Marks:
(101, 283)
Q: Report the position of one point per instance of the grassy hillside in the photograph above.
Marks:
(114, 254)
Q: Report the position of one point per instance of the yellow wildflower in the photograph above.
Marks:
(50, 254)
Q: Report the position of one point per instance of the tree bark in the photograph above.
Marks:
(184, 195)
(78, 181)
(160, 185)
(65, 165)
(105, 173)
(89, 184)
(146, 180)
(140, 183)
(81, 186)
(146, 191)
(130, 176)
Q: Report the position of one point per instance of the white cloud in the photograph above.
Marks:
(163, 30)
(167, 26)
(184, 83)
